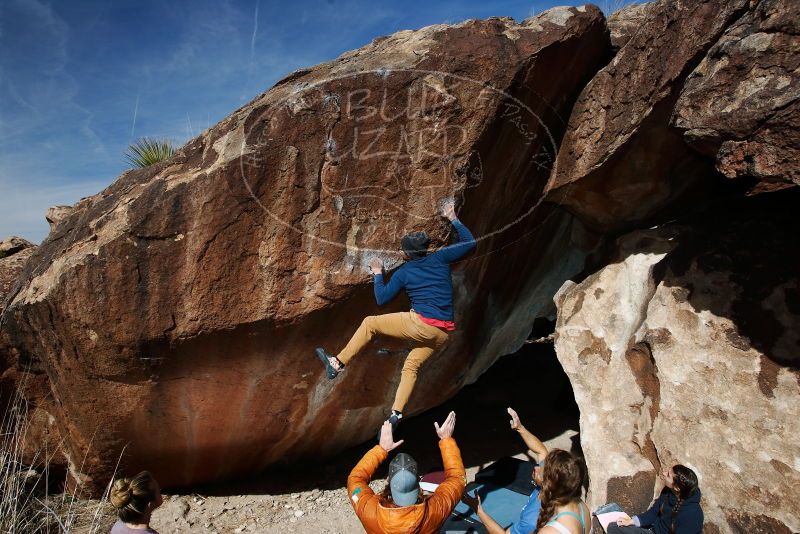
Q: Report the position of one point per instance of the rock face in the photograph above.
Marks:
(38, 444)
(741, 105)
(175, 313)
(682, 344)
(624, 23)
(14, 252)
(684, 349)
(11, 246)
(56, 214)
(621, 162)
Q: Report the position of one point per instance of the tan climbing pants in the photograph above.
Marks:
(403, 325)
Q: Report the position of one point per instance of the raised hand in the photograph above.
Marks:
(376, 265)
(515, 424)
(448, 209)
(473, 501)
(446, 430)
(387, 441)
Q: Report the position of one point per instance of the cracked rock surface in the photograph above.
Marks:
(684, 350)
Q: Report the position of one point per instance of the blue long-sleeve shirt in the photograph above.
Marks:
(427, 280)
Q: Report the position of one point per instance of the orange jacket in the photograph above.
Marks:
(427, 517)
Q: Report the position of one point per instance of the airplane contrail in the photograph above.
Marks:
(250, 68)
(255, 30)
(135, 111)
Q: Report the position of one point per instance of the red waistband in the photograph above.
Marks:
(438, 323)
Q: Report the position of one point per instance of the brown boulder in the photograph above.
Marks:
(176, 312)
(741, 105)
(621, 162)
(684, 349)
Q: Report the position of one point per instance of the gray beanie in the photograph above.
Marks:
(415, 244)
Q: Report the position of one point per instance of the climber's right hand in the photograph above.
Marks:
(376, 265)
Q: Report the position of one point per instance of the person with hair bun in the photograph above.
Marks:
(676, 511)
(135, 499)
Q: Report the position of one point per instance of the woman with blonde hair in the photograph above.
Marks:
(563, 511)
(135, 499)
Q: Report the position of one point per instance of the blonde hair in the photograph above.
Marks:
(131, 496)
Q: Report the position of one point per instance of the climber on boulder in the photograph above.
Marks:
(426, 279)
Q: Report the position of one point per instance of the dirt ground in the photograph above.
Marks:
(314, 499)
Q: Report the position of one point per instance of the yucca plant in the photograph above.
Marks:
(147, 151)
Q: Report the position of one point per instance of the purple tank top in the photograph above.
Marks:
(121, 528)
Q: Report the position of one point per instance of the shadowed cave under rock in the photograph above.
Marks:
(482, 428)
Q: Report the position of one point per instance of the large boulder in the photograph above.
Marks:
(684, 349)
(741, 105)
(621, 162)
(176, 312)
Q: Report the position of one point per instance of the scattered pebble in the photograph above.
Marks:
(298, 513)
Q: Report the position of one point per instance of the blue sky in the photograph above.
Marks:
(80, 80)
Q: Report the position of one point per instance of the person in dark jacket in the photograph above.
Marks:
(676, 511)
(426, 279)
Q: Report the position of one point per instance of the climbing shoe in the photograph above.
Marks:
(326, 359)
